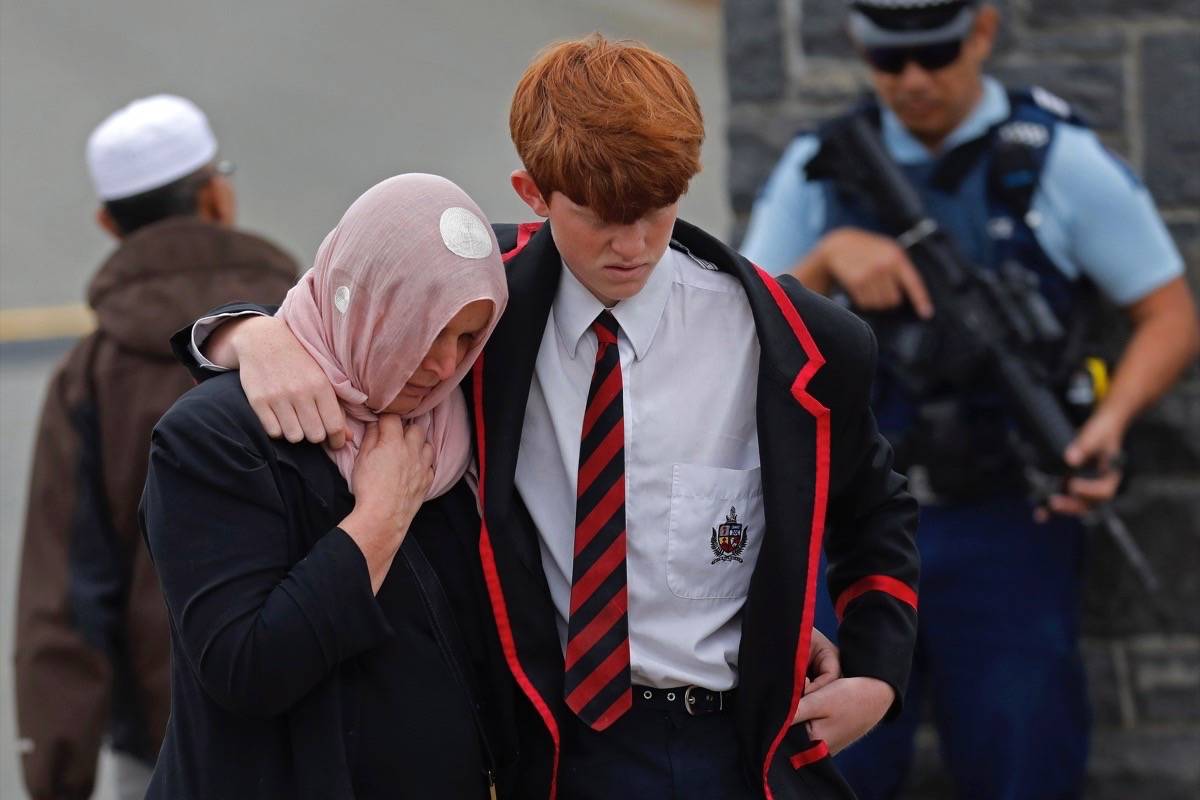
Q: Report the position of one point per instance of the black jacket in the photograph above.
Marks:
(289, 677)
(827, 480)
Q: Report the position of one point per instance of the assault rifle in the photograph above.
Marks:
(993, 318)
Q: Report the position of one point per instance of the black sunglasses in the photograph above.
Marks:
(929, 57)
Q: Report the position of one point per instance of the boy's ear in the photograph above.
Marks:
(525, 187)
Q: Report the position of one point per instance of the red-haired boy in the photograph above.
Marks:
(666, 439)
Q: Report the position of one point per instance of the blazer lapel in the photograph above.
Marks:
(794, 437)
(508, 364)
(783, 355)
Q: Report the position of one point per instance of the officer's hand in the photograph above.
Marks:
(824, 666)
(287, 390)
(844, 710)
(1097, 445)
(874, 271)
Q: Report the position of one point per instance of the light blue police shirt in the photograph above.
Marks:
(1096, 218)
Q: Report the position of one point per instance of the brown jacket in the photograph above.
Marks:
(92, 642)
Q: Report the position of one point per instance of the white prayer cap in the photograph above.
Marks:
(147, 144)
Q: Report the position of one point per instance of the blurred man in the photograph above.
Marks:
(92, 640)
(1013, 177)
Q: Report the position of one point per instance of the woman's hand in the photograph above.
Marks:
(844, 710)
(392, 474)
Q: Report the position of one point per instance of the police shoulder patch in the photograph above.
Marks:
(1051, 102)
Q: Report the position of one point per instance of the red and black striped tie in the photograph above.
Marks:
(598, 686)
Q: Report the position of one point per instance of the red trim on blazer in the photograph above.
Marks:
(491, 577)
(820, 500)
(525, 232)
(875, 583)
(809, 755)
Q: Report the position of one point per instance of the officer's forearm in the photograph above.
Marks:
(1166, 339)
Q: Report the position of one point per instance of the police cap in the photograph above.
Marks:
(910, 23)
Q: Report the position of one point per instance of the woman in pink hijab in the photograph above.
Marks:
(330, 633)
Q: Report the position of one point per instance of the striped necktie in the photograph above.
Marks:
(598, 686)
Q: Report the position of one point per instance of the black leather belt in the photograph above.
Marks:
(691, 699)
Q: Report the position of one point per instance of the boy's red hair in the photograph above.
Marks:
(612, 125)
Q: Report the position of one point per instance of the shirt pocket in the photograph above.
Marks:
(715, 531)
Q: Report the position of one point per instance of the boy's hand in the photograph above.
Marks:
(287, 390)
(844, 710)
(824, 666)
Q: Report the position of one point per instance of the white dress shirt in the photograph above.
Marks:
(689, 364)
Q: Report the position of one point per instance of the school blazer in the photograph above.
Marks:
(827, 482)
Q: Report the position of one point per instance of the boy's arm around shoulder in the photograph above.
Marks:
(183, 339)
(871, 521)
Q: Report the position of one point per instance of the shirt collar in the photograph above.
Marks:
(575, 308)
(992, 108)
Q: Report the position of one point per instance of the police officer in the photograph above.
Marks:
(1013, 176)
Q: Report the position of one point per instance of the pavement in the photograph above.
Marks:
(315, 100)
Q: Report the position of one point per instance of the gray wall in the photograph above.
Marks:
(314, 100)
(1134, 70)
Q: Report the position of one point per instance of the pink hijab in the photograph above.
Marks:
(405, 258)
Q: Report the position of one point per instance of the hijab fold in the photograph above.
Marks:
(404, 260)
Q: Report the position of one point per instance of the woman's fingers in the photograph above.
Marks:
(391, 428)
(414, 439)
(370, 439)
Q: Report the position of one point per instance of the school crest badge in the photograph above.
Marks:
(729, 539)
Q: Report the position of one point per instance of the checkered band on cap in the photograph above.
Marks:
(900, 5)
(910, 23)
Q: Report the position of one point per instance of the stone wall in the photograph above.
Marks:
(1133, 69)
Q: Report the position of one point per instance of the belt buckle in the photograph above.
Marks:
(689, 702)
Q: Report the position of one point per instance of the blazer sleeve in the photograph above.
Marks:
(70, 596)
(259, 624)
(870, 542)
(181, 340)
